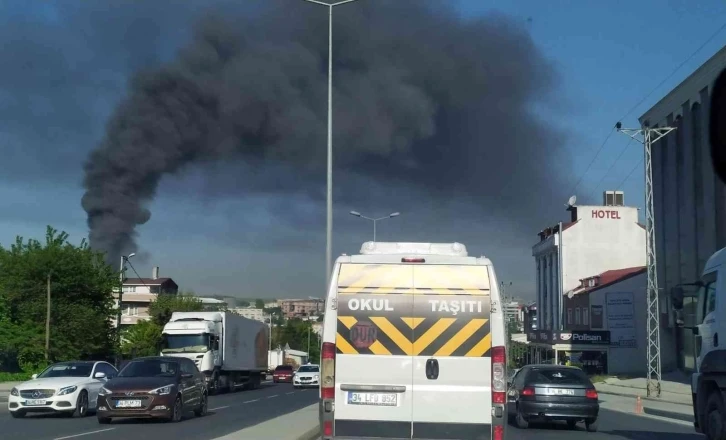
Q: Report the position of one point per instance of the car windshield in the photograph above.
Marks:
(67, 370)
(309, 369)
(555, 376)
(150, 368)
(284, 368)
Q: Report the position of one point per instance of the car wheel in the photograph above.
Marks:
(104, 420)
(17, 414)
(591, 425)
(176, 411)
(571, 424)
(203, 407)
(520, 421)
(81, 405)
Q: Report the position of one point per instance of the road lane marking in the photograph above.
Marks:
(250, 401)
(291, 392)
(219, 407)
(84, 433)
(270, 397)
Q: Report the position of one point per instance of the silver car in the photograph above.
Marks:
(307, 376)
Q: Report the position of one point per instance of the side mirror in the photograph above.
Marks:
(35, 376)
(99, 375)
(717, 126)
(677, 297)
(187, 375)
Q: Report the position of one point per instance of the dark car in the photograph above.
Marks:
(154, 387)
(552, 392)
(283, 373)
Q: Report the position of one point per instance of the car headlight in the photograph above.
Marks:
(104, 391)
(14, 392)
(67, 390)
(163, 390)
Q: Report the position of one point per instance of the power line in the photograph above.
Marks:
(137, 274)
(613, 164)
(602, 146)
(637, 165)
(718, 31)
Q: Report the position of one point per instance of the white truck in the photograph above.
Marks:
(275, 358)
(230, 350)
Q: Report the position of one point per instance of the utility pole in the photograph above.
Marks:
(309, 327)
(47, 320)
(329, 192)
(647, 136)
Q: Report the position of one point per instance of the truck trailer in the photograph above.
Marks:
(230, 350)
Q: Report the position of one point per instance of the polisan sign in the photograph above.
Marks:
(606, 213)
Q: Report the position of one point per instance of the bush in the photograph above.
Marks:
(15, 377)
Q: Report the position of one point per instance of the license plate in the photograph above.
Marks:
(128, 404)
(374, 399)
(34, 402)
(564, 392)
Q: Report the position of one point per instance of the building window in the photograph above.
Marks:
(131, 311)
(569, 315)
(577, 316)
(129, 289)
(585, 315)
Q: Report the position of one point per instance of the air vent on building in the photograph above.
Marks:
(613, 198)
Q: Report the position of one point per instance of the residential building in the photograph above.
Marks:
(606, 317)
(251, 313)
(271, 304)
(596, 238)
(529, 318)
(138, 293)
(689, 200)
(300, 308)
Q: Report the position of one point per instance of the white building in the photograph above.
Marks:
(251, 313)
(611, 305)
(139, 293)
(689, 200)
(594, 240)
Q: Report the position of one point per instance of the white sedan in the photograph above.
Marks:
(70, 388)
(307, 376)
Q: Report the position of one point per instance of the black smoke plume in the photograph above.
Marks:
(422, 98)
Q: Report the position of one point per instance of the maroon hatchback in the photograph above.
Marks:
(283, 373)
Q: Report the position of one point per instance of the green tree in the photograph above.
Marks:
(161, 309)
(81, 301)
(142, 339)
(295, 333)
(259, 304)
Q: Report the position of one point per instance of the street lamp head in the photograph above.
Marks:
(131, 255)
(355, 213)
(618, 125)
(395, 214)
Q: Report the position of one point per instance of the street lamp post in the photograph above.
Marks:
(122, 278)
(374, 220)
(329, 197)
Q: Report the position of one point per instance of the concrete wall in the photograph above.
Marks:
(689, 200)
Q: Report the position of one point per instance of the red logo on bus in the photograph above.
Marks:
(363, 334)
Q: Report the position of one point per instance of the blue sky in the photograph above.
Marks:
(610, 55)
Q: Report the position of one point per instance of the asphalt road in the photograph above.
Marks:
(227, 413)
(612, 425)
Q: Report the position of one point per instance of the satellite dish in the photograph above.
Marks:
(571, 201)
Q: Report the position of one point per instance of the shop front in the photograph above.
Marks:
(585, 349)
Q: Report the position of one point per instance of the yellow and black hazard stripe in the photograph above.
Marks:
(414, 336)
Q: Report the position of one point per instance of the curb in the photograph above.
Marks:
(652, 399)
(311, 434)
(669, 414)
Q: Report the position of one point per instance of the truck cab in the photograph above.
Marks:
(708, 383)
